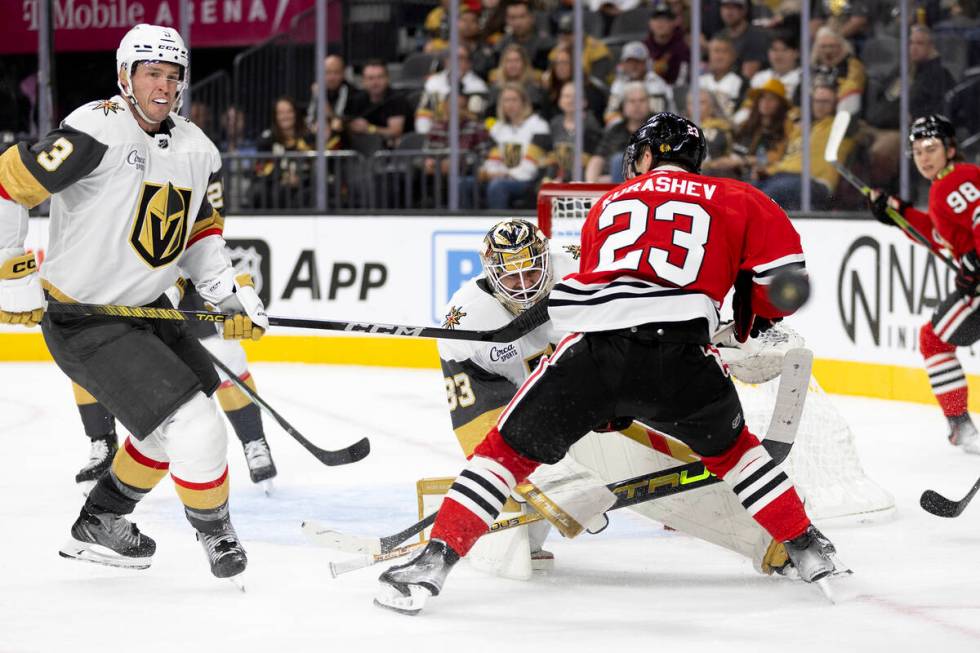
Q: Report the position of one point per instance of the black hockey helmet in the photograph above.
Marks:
(933, 126)
(671, 138)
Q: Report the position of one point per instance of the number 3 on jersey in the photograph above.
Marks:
(692, 242)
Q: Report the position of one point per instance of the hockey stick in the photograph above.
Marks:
(837, 132)
(345, 456)
(935, 503)
(779, 439)
(513, 330)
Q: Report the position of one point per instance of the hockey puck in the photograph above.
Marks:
(789, 290)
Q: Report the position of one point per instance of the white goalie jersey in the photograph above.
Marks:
(127, 208)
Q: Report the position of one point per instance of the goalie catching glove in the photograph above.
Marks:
(235, 296)
(21, 297)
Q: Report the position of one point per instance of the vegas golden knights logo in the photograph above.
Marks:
(564, 156)
(160, 225)
(512, 154)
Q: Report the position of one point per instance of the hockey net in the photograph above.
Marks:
(824, 462)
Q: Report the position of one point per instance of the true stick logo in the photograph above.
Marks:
(651, 486)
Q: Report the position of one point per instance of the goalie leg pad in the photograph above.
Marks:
(569, 496)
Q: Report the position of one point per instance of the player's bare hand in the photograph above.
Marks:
(21, 296)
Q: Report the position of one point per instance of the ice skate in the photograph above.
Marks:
(100, 458)
(963, 434)
(542, 560)
(815, 559)
(261, 468)
(224, 551)
(405, 588)
(108, 539)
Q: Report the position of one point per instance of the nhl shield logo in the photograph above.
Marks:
(254, 257)
(160, 224)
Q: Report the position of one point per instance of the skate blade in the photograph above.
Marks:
(238, 581)
(543, 565)
(828, 584)
(100, 555)
(268, 487)
(390, 598)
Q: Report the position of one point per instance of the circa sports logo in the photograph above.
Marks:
(503, 354)
(886, 291)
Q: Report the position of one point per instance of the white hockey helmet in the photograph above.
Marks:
(151, 43)
(517, 263)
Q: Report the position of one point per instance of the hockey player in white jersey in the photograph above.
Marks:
(136, 203)
(481, 378)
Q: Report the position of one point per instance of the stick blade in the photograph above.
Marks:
(322, 535)
(936, 504)
(837, 131)
(355, 452)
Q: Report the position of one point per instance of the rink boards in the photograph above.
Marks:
(872, 289)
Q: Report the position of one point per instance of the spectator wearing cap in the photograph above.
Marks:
(762, 139)
(560, 72)
(432, 104)
(784, 183)
(833, 57)
(722, 79)
(521, 31)
(784, 65)
(635, 66)
(597, 60)
(470, 37)
(666, 44)
(606, 165)
(929, 82)
(750, 41)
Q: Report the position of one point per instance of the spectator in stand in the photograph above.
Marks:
(385, 111)
(784, 65)
(521, 30)
(635, 66)
(343, 100)
(432, 104)
(234, 139)
(521, 142)
(283, 182)
(609, 9)
(470, 37)
(473, 141)
(201, 116)
(717, 135)
(436, 24)
(760, 141)
(722, 79)
(563, 135)
(751, 42)
(667, 44)
(515, 68)
(784, 183)
(849, 18)
(929, 82)
(555, 78)
(596, 58)
(833, 56)
(606, 165)
(493, 19)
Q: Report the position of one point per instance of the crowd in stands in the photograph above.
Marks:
(517, 100)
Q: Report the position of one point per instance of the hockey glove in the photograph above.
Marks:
(236, 297)
(742, 313)
(21, 297)
(968, 276)
(879, 206)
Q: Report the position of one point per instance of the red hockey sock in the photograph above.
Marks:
(761, 486)
(479, 492)
(945, 373)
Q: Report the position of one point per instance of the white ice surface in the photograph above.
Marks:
(917, 582)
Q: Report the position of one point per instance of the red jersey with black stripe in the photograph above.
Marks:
(954, 210)
(667, 247)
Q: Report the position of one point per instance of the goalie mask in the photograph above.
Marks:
(145, 43)
(517, 264)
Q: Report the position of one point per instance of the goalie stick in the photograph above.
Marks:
(779, 439)
(935, 503)
(345, 456)
(513, 330)
(837, 132)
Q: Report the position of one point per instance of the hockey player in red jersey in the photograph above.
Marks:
(659, 253)
(952, 223)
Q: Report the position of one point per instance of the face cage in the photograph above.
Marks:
(523, 297)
